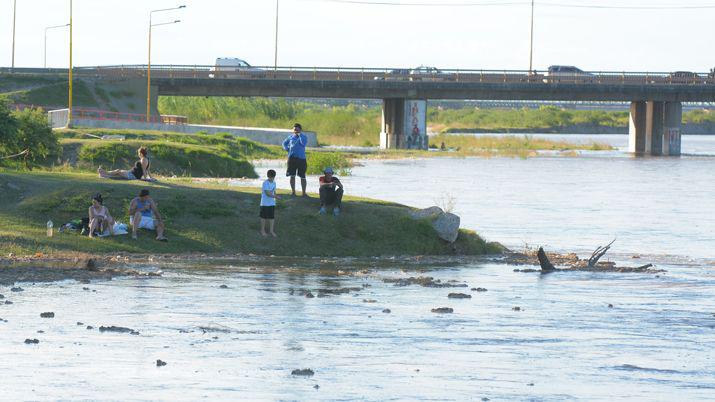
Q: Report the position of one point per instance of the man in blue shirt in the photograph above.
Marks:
(297, 163)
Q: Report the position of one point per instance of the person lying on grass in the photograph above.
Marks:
(143, 214)
(99, 217)
(331, 192)
(268, 204)
(141, 170)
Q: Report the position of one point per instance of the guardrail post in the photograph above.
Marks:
(481, 75)
(315, 73)
(290, 72)
(338, 73)
(194, 71)
(457, 75)
(362, 74)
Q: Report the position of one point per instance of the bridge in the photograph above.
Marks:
(655, 98)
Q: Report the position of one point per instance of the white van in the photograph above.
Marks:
(226, 67)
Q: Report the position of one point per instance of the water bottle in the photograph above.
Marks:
(49, 228)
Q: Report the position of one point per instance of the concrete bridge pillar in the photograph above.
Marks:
(404, 124)
(636, 128)
(654, 128)
(673, 112)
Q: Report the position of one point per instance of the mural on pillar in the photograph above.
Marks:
(416, 125)
(674, 141)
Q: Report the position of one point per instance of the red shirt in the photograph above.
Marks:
(324, 179)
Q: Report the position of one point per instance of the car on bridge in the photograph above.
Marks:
(425, 73)
(568, 74)
(229, 67)
(685, 77)
(398, 74)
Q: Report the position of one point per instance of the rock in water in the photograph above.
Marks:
(443, 310)
(303, 372)
(48, 314)
(387, 311)
(431, 212)
(160, 363)
(31, 341)
(447, 226)
(459, 296)
(17, 289)
(121, 330)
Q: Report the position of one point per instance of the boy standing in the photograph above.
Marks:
(268, 203)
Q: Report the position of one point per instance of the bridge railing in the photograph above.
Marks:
(381, 74)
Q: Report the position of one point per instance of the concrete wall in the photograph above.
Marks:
(263, 135)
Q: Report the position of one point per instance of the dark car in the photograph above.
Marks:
(684, 77)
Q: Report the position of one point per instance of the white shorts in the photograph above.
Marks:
(145, 223)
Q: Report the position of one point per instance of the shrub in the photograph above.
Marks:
(26, 130)
(318, 161)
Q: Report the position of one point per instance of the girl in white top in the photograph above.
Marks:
(99, 217)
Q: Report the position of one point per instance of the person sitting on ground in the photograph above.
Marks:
(143, 214)
(99, 217)
(297, 163)
(141, 170)
(331, 192)
(268, 204)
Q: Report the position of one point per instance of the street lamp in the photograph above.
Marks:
(531, 38)
(47, 29)
(275, 55)
(69, 101)
(148, 65)
(14, 13)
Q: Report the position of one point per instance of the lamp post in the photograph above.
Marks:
(14, 12)
(275, 54)
(531, 38)
(47, 29)
(148, 65)
(69, 101)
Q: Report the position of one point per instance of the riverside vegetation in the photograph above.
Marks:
(359, 125)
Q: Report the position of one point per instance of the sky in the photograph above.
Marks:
(330, 33)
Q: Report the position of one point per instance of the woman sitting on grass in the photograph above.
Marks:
(99, 217)
(139, 172)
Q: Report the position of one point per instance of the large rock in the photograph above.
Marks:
(445, 223)
(447, 226)
(431, 212)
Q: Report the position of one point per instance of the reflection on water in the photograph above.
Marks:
(243, 340)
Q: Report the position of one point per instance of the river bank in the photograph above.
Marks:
(210, 218)
(687, 129)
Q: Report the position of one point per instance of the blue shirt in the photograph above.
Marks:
(295, 145)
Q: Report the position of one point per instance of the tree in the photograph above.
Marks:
(35, 134)
(8, 129)
(26, 130)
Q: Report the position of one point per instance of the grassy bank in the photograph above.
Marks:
(209, 218)
(177, 154)
(509, 145)
(335, 125)
(172, 154)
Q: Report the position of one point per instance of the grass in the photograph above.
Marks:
(509, 145)
(338, 125)
(209, 218)
(172, 154)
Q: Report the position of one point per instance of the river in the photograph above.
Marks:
(575, 335)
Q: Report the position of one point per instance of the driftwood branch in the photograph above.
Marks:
(546, 265)
(598, 253)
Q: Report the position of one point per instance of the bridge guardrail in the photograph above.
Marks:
(379, 74)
